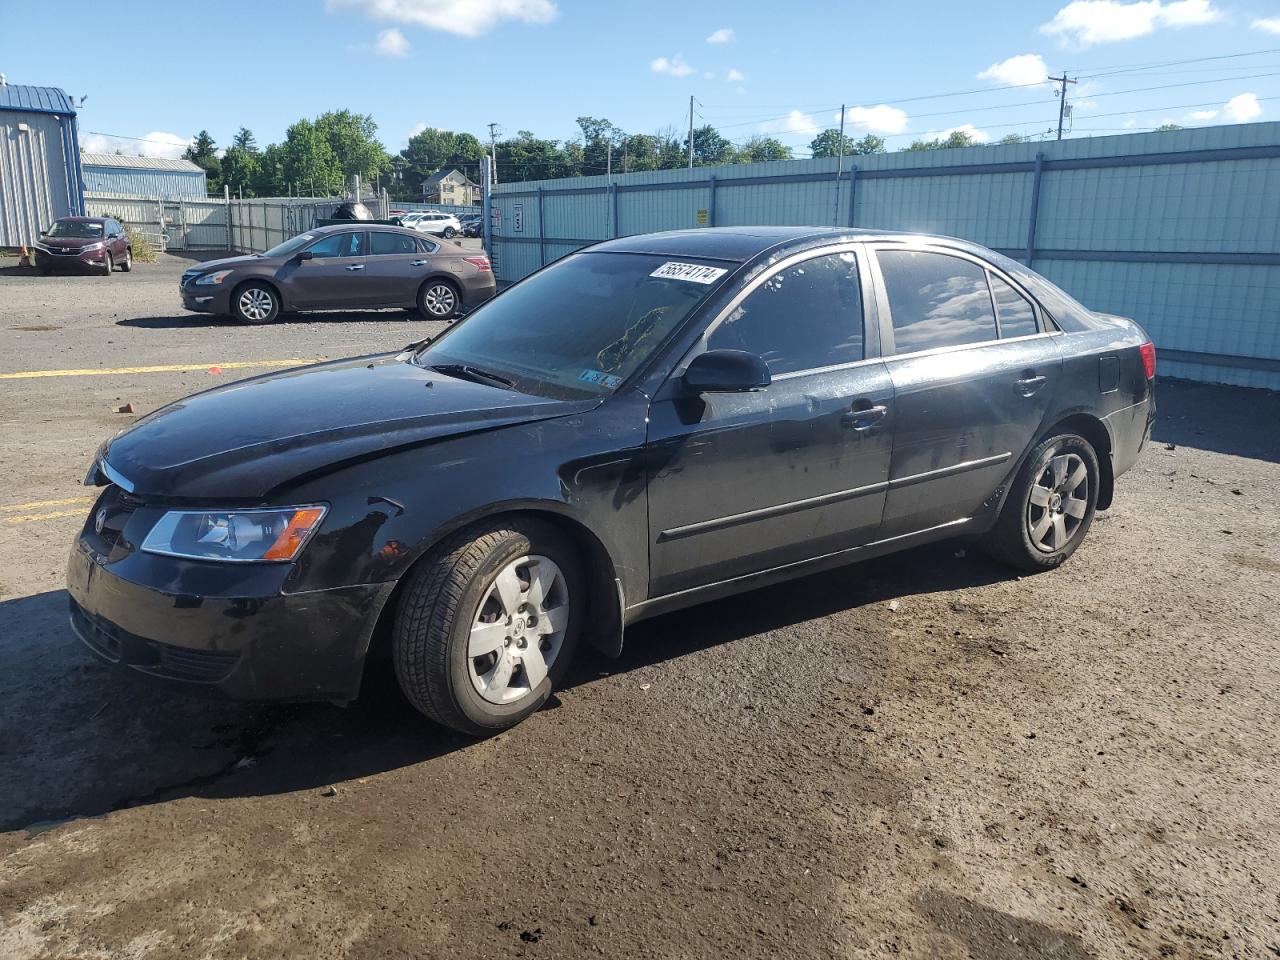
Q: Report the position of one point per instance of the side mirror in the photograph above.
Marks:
(303, 255)
(726, 371)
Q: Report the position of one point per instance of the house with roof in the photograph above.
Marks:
(157, 177)
(40, 177)
(450, 185)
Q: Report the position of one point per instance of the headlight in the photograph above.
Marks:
(92, 246)
(216, 277)
(40, 246)
(275, 535)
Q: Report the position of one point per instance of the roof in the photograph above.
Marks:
(35, 99)
(442, 173)
(730, 243)
(138, 163)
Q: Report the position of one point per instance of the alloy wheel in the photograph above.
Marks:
(519, 629)
(440, 300)
(256, 304)
(1058, 502)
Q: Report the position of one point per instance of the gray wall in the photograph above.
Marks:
(36, 183)
(1179, 230)
(145, 182)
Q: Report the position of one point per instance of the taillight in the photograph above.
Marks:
(1148, 351)
(480, 263)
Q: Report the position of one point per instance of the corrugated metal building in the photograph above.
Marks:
(39, 162)
(155, 177)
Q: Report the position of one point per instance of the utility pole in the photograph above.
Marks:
(608, 159)
(1062, 99)
(839, 167)
(691, 131)
(493, 151)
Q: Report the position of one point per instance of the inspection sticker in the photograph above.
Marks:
(602, 379)
(690, 272)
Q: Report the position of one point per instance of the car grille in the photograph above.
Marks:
(64, 251)
(161, 659)
(188, 277)
(115, 507)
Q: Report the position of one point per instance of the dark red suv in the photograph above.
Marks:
(98, 243)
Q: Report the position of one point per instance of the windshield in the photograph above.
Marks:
(74, 228)
(579, 328)
(290, 246)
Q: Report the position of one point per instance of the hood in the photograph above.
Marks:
(246, 439)
(207, 266)
(70, 243)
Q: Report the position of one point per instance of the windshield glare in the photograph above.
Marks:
(74, 228)
(579, 328)
(290, 246)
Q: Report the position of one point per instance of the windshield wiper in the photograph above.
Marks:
(475, 374)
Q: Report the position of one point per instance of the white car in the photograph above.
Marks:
(440, 224)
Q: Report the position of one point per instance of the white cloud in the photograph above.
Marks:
(723, 35)
(391, 43)
(1242, 108)
(1267, 24)
(1202, 116)
(794, 122)
(1022, 70)
(735, 76)
(170, 146)
(708, 75)
(466, 18)
(976, 135)
(1089, 22)
(881, 118)
(671, 66)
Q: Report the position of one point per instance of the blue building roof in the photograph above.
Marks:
(35, 99)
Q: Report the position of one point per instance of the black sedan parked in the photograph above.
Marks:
(643, 425)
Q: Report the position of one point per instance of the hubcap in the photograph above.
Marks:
(256, 304)
(439, 300)
(518, 630)
(1058, 502)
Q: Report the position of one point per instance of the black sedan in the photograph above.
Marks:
(643, 425)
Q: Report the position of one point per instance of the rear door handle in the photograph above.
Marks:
(864, 418)
(356, 266)
(1029, 383)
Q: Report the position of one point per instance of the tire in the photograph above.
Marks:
(108, 264)
(1046, 516)
(127, 264)
(255, 304)
(450, 233)
(438, 299)
(454, 604)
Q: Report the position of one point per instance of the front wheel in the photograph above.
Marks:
(1050, 506)
(450, 233)
(127, 264)
(488, 623)
(108, 264)
(255, 303)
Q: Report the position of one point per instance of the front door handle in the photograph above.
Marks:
(419, 263)
(356, 266)
(864, 418)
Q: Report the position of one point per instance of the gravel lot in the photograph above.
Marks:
(921, 756)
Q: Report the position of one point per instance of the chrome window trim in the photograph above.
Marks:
(978, 345)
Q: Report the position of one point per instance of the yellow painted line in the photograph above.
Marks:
(162, 368)
(32, 517)
(41, 504)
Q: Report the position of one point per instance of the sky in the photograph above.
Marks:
(154, 72)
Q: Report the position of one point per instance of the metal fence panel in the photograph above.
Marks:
(1180, 229)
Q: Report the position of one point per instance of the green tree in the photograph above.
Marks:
(868, 145)
(827, 144)
(433, 150)
(956, 138)
(709, 147)
(308, 162)
(1164, 127)
(245, 140)
(526, 157)
(269, 180)
(203, 152)
(352, 138)
(241, 170)
(760, 148)
(1013, 138)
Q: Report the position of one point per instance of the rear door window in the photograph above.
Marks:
(1017, 316)
(936, 300)
(803, 317)
(382, 243)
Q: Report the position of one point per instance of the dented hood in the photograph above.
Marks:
(246, 439)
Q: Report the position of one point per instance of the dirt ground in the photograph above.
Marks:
(921, 756)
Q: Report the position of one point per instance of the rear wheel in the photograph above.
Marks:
(450, 233)
(255, 303)
(1050, 508)
(487, 625)
(438, 300)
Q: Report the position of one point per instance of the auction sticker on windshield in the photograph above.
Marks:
(689, 272)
